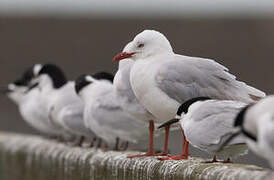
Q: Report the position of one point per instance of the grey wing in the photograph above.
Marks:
(72, 118)
(187, 77)
(216, 120)
(111, 117)
(52, 117)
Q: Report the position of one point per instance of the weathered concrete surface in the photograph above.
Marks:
(34, 158)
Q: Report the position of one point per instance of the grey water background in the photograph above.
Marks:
(86, 45)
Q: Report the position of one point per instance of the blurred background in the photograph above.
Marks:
(83, 36)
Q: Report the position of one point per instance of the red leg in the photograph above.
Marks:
(116, 147)
(151, 137)
(214, 160)
(99, 143)
(81, 141)
(92, 142)
(184, 154)
(123, 146)
(164, 153)
(126, 146)
(186, 144)
(105, 147)
(227, 161)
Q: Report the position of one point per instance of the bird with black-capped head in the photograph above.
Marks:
(27, 97)
(103, 113)
(207, 124)
(64, 107)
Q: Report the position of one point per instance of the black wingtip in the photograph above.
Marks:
(168, 123)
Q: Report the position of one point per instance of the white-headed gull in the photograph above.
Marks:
(27, 97)
(256, 123)
(64, 107)
(162, 80)
(103, 113)
(127, 98)
(208, 123)
(125, 93)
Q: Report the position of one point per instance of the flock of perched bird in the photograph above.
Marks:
(216, 112)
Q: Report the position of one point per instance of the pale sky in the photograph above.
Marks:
(139, 8)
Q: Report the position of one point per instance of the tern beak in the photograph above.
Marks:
(122, 55)
(168, 123)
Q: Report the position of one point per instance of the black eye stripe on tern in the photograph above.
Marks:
(63, 105)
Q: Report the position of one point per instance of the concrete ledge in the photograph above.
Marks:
(26, 157)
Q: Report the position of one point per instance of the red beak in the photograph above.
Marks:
(122, 55)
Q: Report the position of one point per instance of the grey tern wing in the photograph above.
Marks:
(111, 117)
(213, 122)
(72, 118)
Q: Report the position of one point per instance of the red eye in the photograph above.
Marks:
(140, 45)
